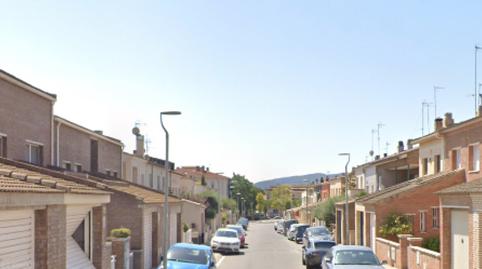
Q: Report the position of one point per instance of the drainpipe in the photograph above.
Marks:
(57, 144)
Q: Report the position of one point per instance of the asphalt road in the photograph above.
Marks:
(266, 249)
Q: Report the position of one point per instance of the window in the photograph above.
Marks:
(437, 164)
(424, 166)
(474, 158)
(151, 181)
(159, 182)
(3, 146)
(422, 221)
(78, 168)
(34, 153)
(142, 180)
(134, 174)
(456, 161)
(114, 174)
(435, 217)
(107, 172)
(67, 166)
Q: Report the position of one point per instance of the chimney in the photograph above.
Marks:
(448, 120)
(401, 147)
(385, 155)
(438, 124)
(377, 157)
(479, 111)
(409, 144)
(139, 151)
(99, 132)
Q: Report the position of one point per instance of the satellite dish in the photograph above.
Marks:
(136, 131)
(371, 153)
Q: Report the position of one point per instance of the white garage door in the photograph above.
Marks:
(460, 239)
(147, 238)
(76, 257)
(17, 239)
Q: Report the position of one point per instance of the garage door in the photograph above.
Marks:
(76, 257)
(147, 238)
(460, 239)
(17, 239)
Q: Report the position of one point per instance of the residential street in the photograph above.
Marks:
(266, 249)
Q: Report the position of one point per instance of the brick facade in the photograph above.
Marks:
(50, 237)
(24, 116)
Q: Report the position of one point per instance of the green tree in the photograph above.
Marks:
(229, 204)
(395, 224)
(246, 189)
(281, 197)
(326, 210)
(261, 204)
(212, 201)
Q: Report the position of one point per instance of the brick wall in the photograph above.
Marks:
(445, 238)
(24, 115)
(420, 258)
(121, 249)
(50, 237)
(388, 251)
(101, 256)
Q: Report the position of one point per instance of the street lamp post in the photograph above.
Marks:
(167, 184)
(347, 223)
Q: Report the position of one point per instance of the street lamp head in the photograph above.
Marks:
(238, 194)
(171, 113)
(344, 154)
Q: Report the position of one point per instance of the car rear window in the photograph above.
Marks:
(324, 244)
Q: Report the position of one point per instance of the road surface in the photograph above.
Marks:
(266, 249)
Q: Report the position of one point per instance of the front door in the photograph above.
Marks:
(339, 227)
(361, 226)
(460, 239)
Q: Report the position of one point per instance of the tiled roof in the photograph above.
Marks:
(405, 186)
(20, 177)
(146, 195)
(474, 186)
(193, 171)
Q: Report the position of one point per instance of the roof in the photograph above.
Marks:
(13, 79)
(451, 128)
(396, 156)
(191, 246)
(406, 186)
(21, 177)
(199, 172)
(144, 194)
(474, 186)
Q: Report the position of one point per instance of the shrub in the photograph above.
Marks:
(185, 227)
(432, 243)
(120, 233)
(395, 224)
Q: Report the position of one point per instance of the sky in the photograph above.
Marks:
(266, 88)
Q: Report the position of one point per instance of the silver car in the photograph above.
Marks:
(353, 257)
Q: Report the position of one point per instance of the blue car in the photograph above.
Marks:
(189, 256)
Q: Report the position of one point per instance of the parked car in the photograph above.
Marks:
(243, 222)
(226, 240)
(351, 257)
(280, 225)
(286, 225)
(312, 255)
(187, 256)
(241, 233)
(320, 232)
(291, 235)
(300, 230)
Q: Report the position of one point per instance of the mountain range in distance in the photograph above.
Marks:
(292, 180)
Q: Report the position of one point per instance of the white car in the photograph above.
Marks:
(226, 240)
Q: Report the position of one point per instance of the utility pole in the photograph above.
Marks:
(379, 125)
(347, 185)
(435, 88)
(476, 93)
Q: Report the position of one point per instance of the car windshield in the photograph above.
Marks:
(300, 230)
(187, 255)
(319, 245)
(240, 231)
(318, 231)
(355, 257)
(224, 233)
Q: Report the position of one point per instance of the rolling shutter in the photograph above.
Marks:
(17, 232)
(147, 238)
(76, 257)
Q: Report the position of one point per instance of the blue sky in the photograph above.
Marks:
(267, 88)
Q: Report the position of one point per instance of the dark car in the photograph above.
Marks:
(300, 230)
(287, 224)
(313, 254)
(243, 222)
(320, 232)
